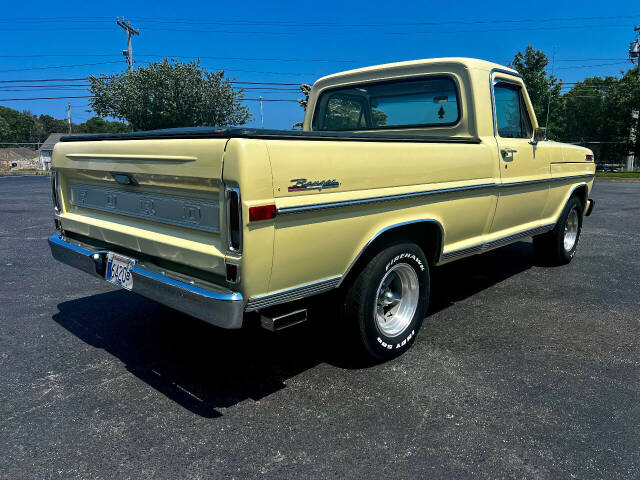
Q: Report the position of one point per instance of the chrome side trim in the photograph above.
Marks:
(499, 242)
(212, 303)
(572, 177)
(524, 182)
(463, 252)
(294, 293)
(517, 236)
(424, 193)
(391, 227)
(381, 198)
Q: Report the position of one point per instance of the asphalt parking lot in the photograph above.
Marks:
(519, 371)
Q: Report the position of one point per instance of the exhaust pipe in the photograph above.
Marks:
(276, 323)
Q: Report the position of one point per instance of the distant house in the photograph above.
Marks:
(46, 149)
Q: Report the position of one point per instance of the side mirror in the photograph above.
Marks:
(539, 134)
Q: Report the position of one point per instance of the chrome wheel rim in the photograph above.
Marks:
(571, 230)
(397, 300)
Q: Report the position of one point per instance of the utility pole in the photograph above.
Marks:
(553, 67)
(69, 117)
(128, 53)
(261, 112)
(634, 57)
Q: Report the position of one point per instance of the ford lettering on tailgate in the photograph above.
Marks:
(184, 212)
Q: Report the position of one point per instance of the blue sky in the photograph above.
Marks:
(296, 42)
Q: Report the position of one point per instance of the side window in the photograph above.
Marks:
(512, 117)
(344, 112)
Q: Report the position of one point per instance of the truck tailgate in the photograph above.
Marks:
(162, 197)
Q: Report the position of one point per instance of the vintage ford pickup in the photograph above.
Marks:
(398, 168)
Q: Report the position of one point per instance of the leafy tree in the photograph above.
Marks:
(169, 94)
(532, 65)
(100, 125)
(305, 88)
(49, 125)
(599, 114)
(18, 126)
(5, 129)
(343, 113)
(629, 98)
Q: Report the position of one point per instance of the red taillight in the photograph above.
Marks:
(589, 157)
(263, 212)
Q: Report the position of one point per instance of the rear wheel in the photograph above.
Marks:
(558, 246)
(387, 301)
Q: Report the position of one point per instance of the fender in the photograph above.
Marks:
(387, 229)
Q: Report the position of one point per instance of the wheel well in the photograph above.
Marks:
(581, 193)
(428, 235)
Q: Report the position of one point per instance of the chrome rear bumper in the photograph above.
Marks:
(211, 303)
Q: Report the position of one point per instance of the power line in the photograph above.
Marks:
(291, 23)
(45, 80)
(248, 59)
(398, 33)
(217, 67)
(590, 66)
(57, 66)
(85, 79)
(206, 57)
(25, 88)
(55, 85)
(91, 96)
(41, 98)
(332, 33)
(382, 24)
(2, 89)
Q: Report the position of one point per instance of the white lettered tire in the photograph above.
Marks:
(388, 300)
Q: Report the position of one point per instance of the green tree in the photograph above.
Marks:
(169, 94)
(305, 88)
(100, 125)
(49, 125)
(18, 126)
(5, 129)
(532, 65)
(629, 95)
(599, 114)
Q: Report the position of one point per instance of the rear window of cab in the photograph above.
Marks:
(425, 102)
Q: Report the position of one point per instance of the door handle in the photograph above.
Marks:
(506, 153)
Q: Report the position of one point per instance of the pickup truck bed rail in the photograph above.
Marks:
(216, 132)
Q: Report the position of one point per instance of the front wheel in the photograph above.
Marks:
(388, 300)
(558, 246)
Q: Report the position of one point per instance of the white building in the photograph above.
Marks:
(46, 149)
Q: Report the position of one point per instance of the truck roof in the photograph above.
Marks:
(470, 63)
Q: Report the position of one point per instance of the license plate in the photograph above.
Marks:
(119, 270)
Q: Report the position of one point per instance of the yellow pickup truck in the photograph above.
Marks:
(398, 168)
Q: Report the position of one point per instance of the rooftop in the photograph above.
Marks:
(471, 63)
